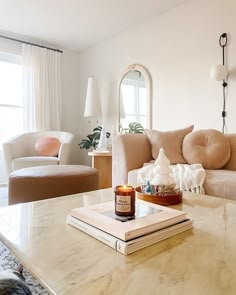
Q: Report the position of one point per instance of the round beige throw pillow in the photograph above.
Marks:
(208, 147)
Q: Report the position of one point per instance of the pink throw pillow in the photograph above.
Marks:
(47, 146)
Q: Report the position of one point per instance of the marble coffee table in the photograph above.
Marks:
(67, 261)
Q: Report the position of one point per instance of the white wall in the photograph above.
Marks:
(73, 95)
(70, 98)
(178, 48)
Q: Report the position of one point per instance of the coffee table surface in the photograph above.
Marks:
(67, 261)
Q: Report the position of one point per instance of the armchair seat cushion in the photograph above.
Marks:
(26, 162)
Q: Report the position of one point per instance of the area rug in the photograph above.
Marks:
(7, 261)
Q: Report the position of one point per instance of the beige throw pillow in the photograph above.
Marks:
(208, 147)
(170, 141)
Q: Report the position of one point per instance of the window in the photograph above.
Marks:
(134, 101)
(11, 101)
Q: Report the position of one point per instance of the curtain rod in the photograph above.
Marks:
(34, 44)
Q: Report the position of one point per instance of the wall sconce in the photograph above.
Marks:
(220, 73)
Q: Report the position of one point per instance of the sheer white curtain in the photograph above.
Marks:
(41, 88)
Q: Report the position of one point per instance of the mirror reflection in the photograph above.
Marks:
(134, 100)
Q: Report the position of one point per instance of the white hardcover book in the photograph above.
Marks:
(149, 217)
(134, 244)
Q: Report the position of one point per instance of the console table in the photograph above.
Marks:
(68, 261)
(103, 162)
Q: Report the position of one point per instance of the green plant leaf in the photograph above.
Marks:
(97, 129)
(133, 127)
(85, 144)
(92, 139)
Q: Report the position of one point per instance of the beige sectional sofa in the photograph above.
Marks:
(214, 150)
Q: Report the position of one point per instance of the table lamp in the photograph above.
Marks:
(93, 109)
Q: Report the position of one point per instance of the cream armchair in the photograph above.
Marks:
(19, 152)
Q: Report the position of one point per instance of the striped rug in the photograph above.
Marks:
(8, 261)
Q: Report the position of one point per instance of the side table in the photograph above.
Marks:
(103, 162)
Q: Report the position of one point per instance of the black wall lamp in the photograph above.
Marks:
(220, 73)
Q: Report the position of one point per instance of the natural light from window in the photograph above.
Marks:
(11, 102)
(134, 104)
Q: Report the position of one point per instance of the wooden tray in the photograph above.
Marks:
(164, 199)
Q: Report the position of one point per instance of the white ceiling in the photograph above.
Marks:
(76, 24)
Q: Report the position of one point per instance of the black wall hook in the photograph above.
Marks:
(223, 40)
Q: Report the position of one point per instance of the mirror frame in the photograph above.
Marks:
(148, 83)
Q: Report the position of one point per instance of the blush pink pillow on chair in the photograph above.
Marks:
(47, 146)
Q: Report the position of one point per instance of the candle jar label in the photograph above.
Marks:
(123, 203)
(124, 200)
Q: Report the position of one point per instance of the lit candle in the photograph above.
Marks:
(124, 200)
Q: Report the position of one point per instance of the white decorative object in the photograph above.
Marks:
(187, 177)
(163, 172)
(102, 145)
(219, 72)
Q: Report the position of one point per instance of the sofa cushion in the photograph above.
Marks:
(231, 164)
(208, 147)
(170, 141)
(47, 146)
(221, 183)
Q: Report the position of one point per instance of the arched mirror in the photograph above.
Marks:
(135, 97)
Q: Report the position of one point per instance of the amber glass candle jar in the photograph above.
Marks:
(124, 200)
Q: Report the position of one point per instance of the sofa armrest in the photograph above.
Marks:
(129, 151)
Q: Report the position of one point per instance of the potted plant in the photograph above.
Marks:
(91, 141)
(133, 127)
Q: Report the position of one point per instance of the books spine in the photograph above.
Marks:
(97, 234)
(133, 245)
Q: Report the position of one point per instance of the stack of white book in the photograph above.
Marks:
(152, 223)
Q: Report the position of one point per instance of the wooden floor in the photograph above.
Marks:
(3, 196)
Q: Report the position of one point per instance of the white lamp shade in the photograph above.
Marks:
(92, 103)
(219, 72)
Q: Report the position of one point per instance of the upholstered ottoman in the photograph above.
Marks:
(44, 182)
